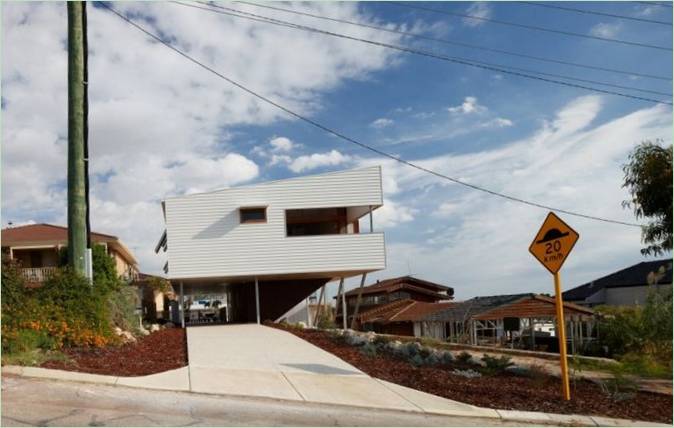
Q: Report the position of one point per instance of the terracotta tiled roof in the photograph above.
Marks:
(402, 310)
(43, 232)
(50, 234)
(409, 282)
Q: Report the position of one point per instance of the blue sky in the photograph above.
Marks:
(161, 126)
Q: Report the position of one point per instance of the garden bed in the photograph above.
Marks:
(539, 392)
(160, 351)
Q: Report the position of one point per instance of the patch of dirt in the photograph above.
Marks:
(159, 351)
(505, 391)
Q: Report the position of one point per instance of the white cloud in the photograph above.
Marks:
(318, 160)
(382, 122)
(605, 30)
(481, 241)
(500, 122)
(280, 159)
(480, 10)
(159, 125)
(391, 214)
(281, 144)
(469, 105)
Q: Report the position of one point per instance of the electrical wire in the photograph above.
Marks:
(465, 61)
(456, 43)
(349, 139)
(527, 26)
(594, 12)
(655, 3)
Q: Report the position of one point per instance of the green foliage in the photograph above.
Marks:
(618, 388)
(496, 365)
(639, 329)
(369, 349)
(66, 311)
(123, 303)
(464, 357)
(326, 321)
(159, 284)
(103, 264)
(648, 178)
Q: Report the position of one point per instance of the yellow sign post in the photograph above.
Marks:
(551, 246)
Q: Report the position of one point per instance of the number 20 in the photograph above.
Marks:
(550, 246)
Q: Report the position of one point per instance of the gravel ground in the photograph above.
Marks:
(160, 351)
(505, 391)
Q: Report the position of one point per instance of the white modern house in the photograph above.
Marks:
(268, 246)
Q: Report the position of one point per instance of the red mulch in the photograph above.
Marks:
(505, 391)
(160, 351)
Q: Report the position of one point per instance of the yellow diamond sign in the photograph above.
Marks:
(553, 243)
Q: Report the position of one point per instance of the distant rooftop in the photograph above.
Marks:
(633, 276)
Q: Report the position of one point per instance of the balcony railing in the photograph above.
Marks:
(37, 274)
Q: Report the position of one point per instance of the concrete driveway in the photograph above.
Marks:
(254, 360)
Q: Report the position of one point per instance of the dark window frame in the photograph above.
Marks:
(243, 210)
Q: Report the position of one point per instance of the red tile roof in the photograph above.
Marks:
(402, 310)
(408, 282)
(50, 234)
(43, 232)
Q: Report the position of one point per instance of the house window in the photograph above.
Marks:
(253, 215)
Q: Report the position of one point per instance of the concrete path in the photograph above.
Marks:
(253, 360)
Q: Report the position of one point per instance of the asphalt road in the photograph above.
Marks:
(40, 402)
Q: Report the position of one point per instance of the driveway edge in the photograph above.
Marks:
(172, 381)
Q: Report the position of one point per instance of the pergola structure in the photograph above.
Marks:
(496, 320)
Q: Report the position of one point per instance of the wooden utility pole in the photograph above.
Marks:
(77, 211)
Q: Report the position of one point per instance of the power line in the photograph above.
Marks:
(349, 139)
(455, 43)
(594, 12)
(655, 3)
(529, 27)
(459, 60)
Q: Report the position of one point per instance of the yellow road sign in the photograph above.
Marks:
(553, 243)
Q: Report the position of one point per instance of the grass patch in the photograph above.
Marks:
(629, 364)
(32, 357)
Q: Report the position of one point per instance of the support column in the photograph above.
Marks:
(182, 306)
(345, 315)
(318, 308)
(257, 300)
(360, 295)
(371, 223)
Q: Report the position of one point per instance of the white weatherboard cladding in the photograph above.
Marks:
(206, 239)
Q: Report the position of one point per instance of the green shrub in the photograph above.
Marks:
(369, 349)
(464, 357)
(123, 303)
(496, 365)
(640, 336)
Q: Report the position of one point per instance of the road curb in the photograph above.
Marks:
(138, 382)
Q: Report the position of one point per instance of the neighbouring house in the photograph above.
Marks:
(402, 318)
(155, 303)
(268, 246)
(629, 286)
(384, 298)
(509, 319)
(36, 248)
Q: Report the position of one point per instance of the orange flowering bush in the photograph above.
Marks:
(67, 311)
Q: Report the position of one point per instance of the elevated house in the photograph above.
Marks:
(629, 286)
(270, 245)
(36, 248)
(391, 306)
